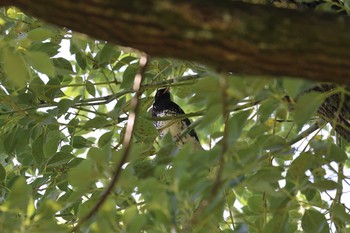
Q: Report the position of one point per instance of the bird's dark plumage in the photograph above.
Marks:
(163, 106)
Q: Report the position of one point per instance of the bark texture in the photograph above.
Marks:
(228, 35)
(336, 109)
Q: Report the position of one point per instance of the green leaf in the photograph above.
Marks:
(271, 142)
(97, 122)
(324, 185)
(25, 157)
(266, 109)
(49, 48)
(255, 203)
(38, 150)
(295, 86)
(107, 52)
(128, 76)
(42, 63)
(72, 126)
(83, 175)
(47, 209)
(278, 223)
(81, 60)
(236, 124)
(301, 164)
(100, 157)
(134, 221)
(80, 142)
(265, 180)
(2, 173)
(124, 61)
(338, 211)
(90, 87)
(79, 41)
(63, 66)
(60, 158)
(51, 143)
(19, 195)
(114, 114)
(145, 130)
(314, 222)
(337, 154)
(105, 139)
(26, 98)
(14, 67)
(307, 106)
(10, 141)
(64, 105)
(40, 34)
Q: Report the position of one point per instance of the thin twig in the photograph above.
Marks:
(189, 128)
(126, 142)
(305, 133)
(73, 84)
(176, 117)
(199, 113)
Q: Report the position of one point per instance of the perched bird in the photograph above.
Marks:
(162, 107)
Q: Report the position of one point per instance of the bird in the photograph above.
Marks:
(163, 106)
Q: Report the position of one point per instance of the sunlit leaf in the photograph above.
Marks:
(133, 220)
(295, 86)
(41, 62)
(14, 67)
(83, 175)
(307, 106)
(19, 196)
(40, 34)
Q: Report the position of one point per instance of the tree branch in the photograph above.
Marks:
(243, 38)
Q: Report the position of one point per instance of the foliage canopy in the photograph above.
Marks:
(270, 163)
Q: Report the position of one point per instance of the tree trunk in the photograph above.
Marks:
(232, 36)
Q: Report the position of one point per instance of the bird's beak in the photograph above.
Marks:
(166, 90)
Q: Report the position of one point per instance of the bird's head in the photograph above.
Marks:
(162, 94)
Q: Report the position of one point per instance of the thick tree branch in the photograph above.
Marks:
(228, 35)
